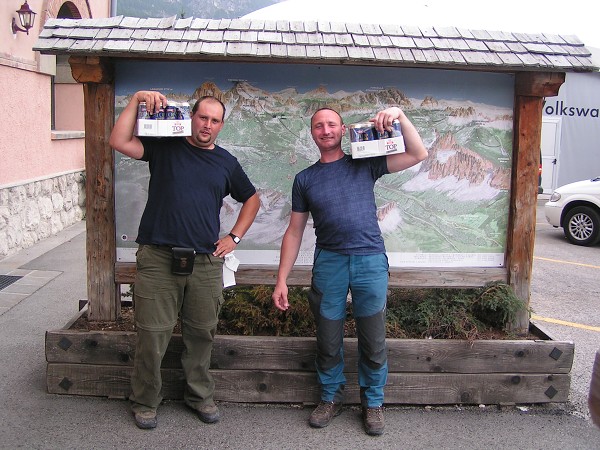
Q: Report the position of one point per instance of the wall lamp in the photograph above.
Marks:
(26, 17)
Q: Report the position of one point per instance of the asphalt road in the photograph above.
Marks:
(566, 288)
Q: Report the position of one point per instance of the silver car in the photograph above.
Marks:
(576, 208)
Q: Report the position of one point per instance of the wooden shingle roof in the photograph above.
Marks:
(313, 42)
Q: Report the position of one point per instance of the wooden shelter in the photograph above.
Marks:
(538, 62)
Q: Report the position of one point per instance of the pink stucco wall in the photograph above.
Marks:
(69, 107)
(26, 148)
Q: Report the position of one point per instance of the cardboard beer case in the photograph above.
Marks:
(379, 147)
(173, 120)
(163, 127)
(367, 142)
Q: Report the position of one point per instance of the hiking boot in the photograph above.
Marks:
(324, 413)
(373, 420)
(209, 413)
(146, 420)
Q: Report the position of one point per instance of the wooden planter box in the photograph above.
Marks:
(281, 369)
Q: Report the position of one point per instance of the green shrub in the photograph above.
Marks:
(497, 305)
(411, 313)
(249, 311)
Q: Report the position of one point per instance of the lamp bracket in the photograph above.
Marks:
(16, 28)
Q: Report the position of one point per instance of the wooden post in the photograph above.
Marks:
(530, 90)
(99, 101)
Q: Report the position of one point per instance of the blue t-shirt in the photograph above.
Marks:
(340, 197)
(186, 191)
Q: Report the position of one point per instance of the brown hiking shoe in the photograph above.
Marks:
(324, 413)
(209, 413)
(373, 421)
(146, 420)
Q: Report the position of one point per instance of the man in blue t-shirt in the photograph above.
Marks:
(349, 256)
(179, 230)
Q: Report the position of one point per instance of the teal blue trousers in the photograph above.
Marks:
(366, 277)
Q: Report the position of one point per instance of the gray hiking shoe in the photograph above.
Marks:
(146, 420)
(373, 420)
(324, 413)
(209, 413)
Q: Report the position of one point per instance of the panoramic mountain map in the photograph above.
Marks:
(451, 210)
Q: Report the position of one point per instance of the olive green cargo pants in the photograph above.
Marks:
(159, 298)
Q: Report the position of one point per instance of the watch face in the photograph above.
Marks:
(235, 238)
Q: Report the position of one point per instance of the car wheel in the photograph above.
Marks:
(582, 226)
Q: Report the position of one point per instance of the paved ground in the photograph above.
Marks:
(565, 298)
(47, 296)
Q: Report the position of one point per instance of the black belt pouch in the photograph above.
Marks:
(182, 261)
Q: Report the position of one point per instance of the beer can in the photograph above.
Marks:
(160, 115)
(171, 111)
(360, 132)
(396, 129)
(142, 111)
(381, 134)
(183, 111)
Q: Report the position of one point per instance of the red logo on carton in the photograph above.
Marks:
(178, 127)
(391, 146)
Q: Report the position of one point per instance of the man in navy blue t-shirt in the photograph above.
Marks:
(349, 256)
(189, 177)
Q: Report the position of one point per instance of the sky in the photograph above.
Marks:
(574, 17)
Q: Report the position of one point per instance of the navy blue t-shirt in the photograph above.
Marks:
(186, 191)
(340, 197)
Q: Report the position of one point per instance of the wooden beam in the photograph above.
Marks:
(90, 69)
(105, 303)
(530, 88)
(539, 84)
(260, 386)
(115, 348)
(251, 275)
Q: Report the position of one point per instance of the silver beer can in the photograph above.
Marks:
(183, 110)
(142, 111)
(396, 129)
(360, 132)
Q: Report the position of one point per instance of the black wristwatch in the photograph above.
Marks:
(235, 238)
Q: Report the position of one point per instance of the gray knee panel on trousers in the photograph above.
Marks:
(330, 336)
(371, 339)
(330, 333)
